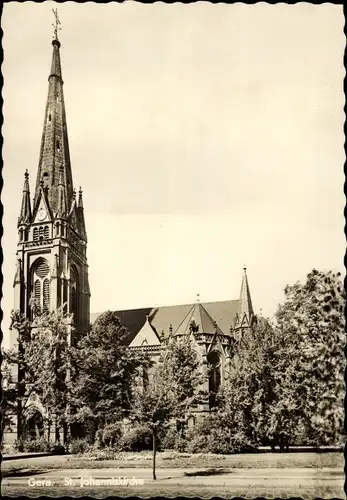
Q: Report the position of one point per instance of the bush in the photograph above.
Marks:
(173, 440)
(136, 439)
(79, 446)
(57, 449)
(111, 434)
(209, 436)
(32, 445)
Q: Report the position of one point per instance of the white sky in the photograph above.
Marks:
(205, 137)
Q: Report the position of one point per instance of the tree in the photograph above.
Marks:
(172, 389)
(312, 317)
(103, 369)
(41, 363)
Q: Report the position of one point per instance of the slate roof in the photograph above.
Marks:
(222, 312)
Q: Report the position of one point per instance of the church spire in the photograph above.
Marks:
(245, 313)
(54, 152)
(25, 211)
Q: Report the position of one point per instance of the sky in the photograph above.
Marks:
(205, 137)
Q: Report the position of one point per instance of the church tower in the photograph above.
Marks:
(52, 268)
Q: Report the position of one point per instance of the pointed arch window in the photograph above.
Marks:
(46, 232)
(40, 273)
(74, 294)
(214, 362)
(36, 233)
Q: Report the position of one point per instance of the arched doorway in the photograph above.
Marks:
(214, 362)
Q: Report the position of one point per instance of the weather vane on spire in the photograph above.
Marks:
(57, 24)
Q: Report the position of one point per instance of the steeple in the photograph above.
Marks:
(245, 314)
(54, 152)
(25, 211)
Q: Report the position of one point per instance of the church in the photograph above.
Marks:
(52, 267)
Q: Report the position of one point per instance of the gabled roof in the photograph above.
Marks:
(161, 318)
(200, 317)
(146, 336)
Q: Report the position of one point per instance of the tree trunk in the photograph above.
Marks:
(154, 453)
(57, 433)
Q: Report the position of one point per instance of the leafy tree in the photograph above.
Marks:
(174, 387)
(248, 392)
(312, 321)
(40, 362)
(103, 371)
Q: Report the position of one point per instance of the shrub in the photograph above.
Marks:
(209, 436)
(173, 440)
(57, 449)
(111, 434)
(136, 439)
(79, 446)
(32, 445)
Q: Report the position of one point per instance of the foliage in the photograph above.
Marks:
(311, 320)
(38, 445)
(39, 366)
(136, 439)
(173, 387)
(286, 381)
(103, 371)
(79, 446)
(111, 434)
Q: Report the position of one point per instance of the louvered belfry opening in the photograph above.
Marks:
(41, 286)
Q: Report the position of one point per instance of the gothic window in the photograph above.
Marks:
(49, 117)
(46, 295)
(58, 145)
(213, 360)
(46, 232)
(40, 233)
(36, 233)
(74, 293)
(41, 286)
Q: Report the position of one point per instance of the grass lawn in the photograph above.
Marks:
(177, 460)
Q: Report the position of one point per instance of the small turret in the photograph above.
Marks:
(25, 211)
(81, 221)
(245, 314)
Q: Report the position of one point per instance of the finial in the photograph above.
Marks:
(215, 325)
(197, 297)
(170, 329)
(244, 268)
(26, 174)
(41, 182)
(56, 24)
(74, 194)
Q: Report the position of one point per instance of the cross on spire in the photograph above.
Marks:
(56, 24)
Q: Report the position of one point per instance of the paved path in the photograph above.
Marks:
(305, 483)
